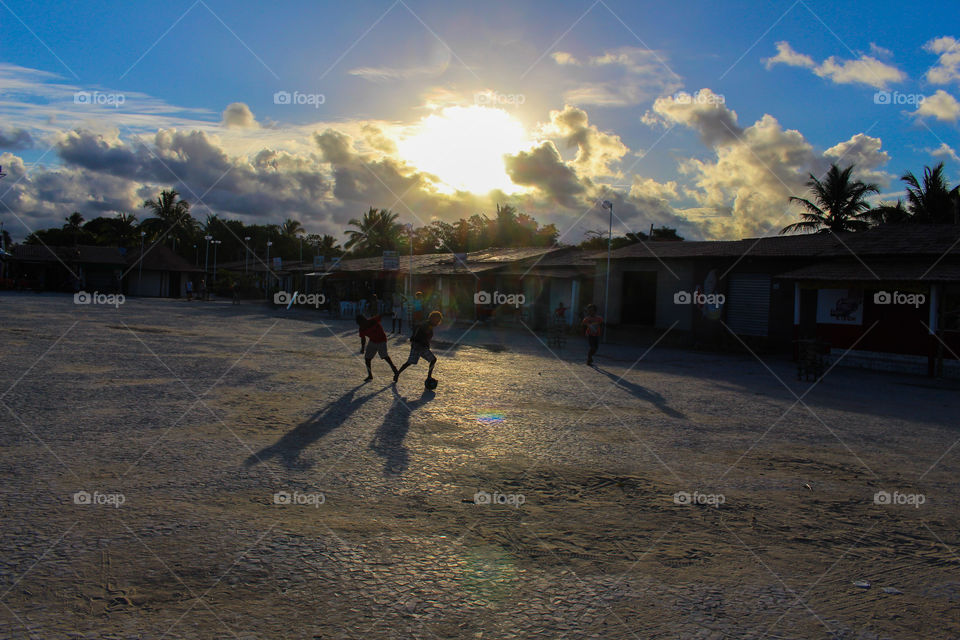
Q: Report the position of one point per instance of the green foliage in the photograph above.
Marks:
(839, 203)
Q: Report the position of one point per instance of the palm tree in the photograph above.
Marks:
(169, 213)
(325, 245)
(839, 203)
(890, 214)
(930, 201)
(377, 231)
(74, 224)
(292, 228)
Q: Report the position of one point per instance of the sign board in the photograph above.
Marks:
(277, 262)
(460, 259)
(317, 261)
(391, 261)
(335, 263)
(840, 306)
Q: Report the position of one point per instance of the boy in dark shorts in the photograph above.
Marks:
(420, 345)
(593, 325)
(373, 341)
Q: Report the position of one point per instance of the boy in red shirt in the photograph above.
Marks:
(373, 341)
(593, 325)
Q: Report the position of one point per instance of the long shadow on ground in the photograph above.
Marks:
(642, 393)
(290, 447)
(388, 440)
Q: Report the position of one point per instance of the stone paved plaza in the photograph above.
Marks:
(202, 470)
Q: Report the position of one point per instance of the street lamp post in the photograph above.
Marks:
(196, 256)
(206, 259)
(409, 229)
(246, 253)
(606, 296)
(269, 271)
(215, 244)
(140, 268)
(3, 238)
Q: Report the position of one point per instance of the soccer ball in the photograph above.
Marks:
(430, 383)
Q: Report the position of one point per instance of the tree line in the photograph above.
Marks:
(168, 220)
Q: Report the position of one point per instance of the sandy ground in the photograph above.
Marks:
(190, 426)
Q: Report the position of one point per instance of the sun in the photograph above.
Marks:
(464, 148)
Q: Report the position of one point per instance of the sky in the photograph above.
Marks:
(701, 116)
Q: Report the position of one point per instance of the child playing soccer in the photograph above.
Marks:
(420, 345)
(593, 325)
(370, 329)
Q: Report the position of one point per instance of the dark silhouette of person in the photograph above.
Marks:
(388, 440)
(291, 446)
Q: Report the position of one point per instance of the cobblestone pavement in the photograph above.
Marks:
(243, 482)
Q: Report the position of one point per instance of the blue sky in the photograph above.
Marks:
(704, 116)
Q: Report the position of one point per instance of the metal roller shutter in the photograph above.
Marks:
(748, 304)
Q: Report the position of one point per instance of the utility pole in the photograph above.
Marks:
(606, 296)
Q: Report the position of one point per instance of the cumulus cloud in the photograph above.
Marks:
(649, 188)
(865, 152)
(15, 138)
(786, 55)
(238, 114)
(564, 58)
(947, 69)
(544, 169)
(864, 70)
(596, 150)
(744, 191)
(705, 112)
(941, 105)
(944, 151)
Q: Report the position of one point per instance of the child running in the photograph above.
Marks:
(593, 325)
(420, 345)
(370, 329)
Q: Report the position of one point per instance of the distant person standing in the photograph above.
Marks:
(189, 290)
(560, 313)
(235, 290)
(204, 294)
(398, 306)
(593, 326)
(417, 309)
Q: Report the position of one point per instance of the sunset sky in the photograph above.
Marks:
(703, 116)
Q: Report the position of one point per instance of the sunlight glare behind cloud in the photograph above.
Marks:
(464, 148)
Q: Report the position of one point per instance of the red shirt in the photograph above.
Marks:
(593, 325)
(373, 331)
